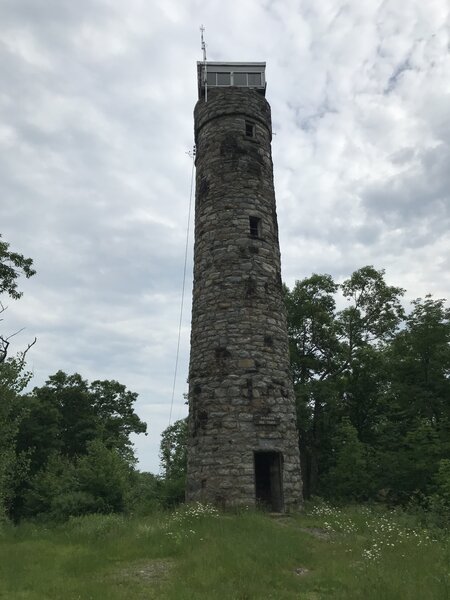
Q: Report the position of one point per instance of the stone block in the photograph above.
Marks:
(246, 363)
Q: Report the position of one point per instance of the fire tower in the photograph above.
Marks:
(243, 441)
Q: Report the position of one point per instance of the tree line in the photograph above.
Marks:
(372, 386)
(65, 447)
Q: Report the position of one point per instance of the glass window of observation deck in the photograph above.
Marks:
(254, 79)
(223, 78)
(240, 78)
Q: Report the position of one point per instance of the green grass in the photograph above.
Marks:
(195, 553)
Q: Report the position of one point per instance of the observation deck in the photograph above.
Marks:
(231, 74)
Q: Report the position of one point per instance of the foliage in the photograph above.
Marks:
(13, 380)
(372, 386)
(96, 482)
(13, 464)
(67, 413)
(435, 509)
(143, 494)
(349, 476)
(77, 437)
(173, 449)
(443, 481)
(12, 265)
(173, 463)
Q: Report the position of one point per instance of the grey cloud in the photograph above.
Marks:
(397, 73)
(420, 195)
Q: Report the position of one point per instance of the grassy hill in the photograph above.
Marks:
(197, 553)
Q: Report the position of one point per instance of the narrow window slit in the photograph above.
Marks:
(255, 227)
(249, 129)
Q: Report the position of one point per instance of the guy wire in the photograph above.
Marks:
(184, 285)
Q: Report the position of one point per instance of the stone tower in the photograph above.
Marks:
(243, 443)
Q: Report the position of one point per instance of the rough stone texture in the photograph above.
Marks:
(240, 391)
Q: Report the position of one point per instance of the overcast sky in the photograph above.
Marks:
(96, 104)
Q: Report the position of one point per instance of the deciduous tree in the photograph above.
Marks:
(332, 352)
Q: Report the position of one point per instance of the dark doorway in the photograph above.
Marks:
(268, 480)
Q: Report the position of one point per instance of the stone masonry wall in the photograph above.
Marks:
(240, 391)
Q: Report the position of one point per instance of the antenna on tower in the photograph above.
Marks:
(202, 29)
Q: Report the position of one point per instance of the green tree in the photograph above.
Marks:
(13, 464)
(104, 475)
(67, 413)
(72, 419)
(414, 433)
(173, 462)
(13, 379)
(143, 496)
(442, 480)
(421, 358)
(333, 353)
(114, 408)
(96, 482)
(349, 476)
(12, 266)
(315, 355)
(51, 486)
